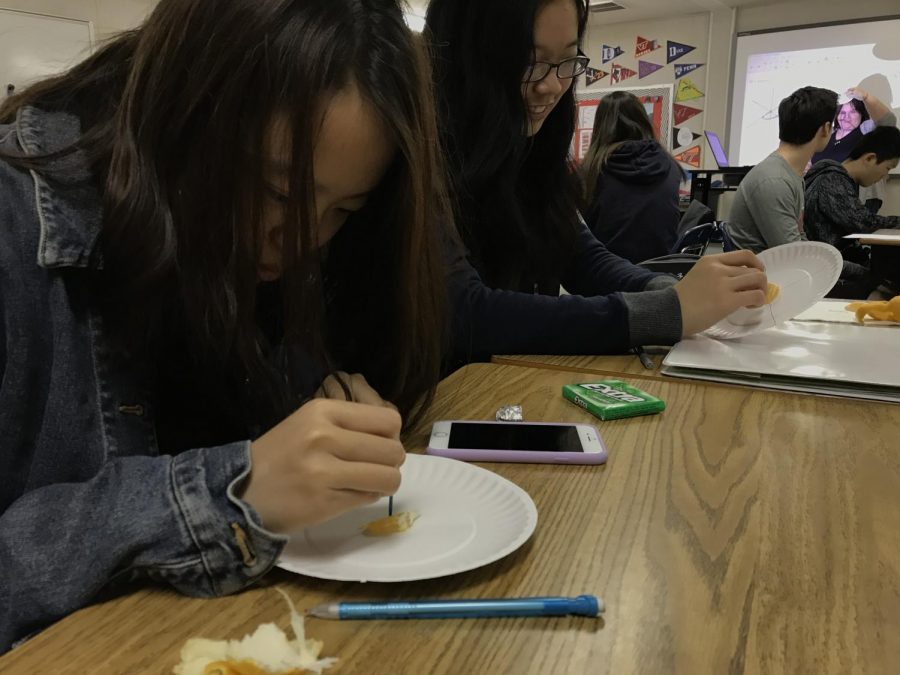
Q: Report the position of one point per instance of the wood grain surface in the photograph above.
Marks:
(740, 531)
(602, 366)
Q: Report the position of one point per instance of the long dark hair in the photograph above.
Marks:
(174, 118)
(515, 197)
(620, 118)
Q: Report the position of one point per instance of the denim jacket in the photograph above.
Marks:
(86, 499)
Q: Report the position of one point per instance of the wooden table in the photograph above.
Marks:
(739, 531)
(614, 366)
(603, 366)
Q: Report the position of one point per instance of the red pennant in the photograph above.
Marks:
(645, 46)
(683, 113)
(621, 73)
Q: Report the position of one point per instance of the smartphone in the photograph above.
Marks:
(551, 443)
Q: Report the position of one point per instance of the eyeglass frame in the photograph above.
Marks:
(555, 66)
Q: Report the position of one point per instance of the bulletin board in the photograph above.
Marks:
(657, 101)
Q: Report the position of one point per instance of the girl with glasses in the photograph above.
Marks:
(504, 73)
(196, 224)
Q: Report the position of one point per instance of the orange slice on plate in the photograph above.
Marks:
(383, 527)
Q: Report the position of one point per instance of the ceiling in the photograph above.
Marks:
(660, 9)
(645, 9)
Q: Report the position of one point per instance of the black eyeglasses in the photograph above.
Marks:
(565, 70)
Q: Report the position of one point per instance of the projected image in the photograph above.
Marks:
(858, 61)
(772, 77)
(852, 122)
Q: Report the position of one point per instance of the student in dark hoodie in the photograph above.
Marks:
(833, 209)
(631, 182)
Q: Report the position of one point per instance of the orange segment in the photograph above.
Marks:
(772, 291)
(399, 522)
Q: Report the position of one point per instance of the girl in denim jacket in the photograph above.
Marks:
(167, 305)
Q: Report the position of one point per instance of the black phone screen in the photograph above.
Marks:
(515, 436)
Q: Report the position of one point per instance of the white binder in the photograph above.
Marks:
(839, 359)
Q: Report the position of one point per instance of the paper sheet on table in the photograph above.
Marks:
(887, 236)
(833, 311)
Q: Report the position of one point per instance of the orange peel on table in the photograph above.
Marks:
(880, 310)
(268, 651)
(245, 668)
(383, 527)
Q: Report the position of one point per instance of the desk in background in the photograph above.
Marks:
(885, 260)
(702, 188)
(738, 531)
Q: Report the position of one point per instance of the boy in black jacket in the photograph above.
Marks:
(833, 209)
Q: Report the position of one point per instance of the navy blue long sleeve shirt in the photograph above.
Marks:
(614, 306)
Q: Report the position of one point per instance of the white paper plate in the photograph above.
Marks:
(468, 517)
(805, 271)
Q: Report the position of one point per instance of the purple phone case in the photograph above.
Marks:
(521, 456)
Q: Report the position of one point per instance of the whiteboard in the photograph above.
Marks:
(34, 46)
(770, 66)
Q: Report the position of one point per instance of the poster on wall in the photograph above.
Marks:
(587, 111)
(682, 113)
(645, 46)
(675, 50)
(594, 75)
(584, 142)
(682, 69)
(657, 102)
(687, 91)
(646, 68)
(621, 73)
(691, 157)
(609, 53)
(683, 136)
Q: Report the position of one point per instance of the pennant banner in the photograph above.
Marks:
(687, 91)
(691, 157)
(683, 69)
(645, 46)
(609, 53)
(682, 136)
(646, 68)
(683, 113)
(676, 50)
(594, 75)
(621, 73)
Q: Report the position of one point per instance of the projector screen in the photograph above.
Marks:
(769, 66)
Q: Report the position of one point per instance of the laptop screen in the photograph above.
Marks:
(718, 151)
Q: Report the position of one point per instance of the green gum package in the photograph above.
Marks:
(612, 399)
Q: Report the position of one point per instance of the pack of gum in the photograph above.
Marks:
(612, 399)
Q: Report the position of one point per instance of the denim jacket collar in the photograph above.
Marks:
(68, 203)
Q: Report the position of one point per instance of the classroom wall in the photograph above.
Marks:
(107, 16)
(703, 32)
(713, 33)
